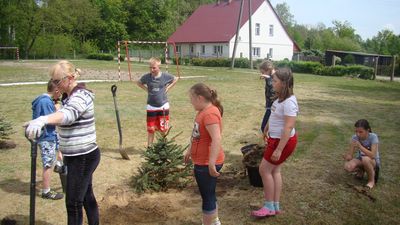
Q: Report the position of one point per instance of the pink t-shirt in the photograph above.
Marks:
(201, 139)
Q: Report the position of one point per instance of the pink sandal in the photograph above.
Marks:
(263, 212)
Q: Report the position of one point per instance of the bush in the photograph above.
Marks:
(163, 168)
(356, 70)
(300, 66)
(53, 46)
(101, 56)
(5, 129)
(89, 47)
(242, 63)
(182, 61)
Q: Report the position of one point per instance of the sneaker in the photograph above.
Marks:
(52, 195)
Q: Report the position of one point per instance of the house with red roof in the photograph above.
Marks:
(211, 30)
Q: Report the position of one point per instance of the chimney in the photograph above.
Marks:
(218, 2)
(229, 2)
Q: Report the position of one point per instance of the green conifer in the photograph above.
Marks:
(164, 167)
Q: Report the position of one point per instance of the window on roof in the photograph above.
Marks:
(256, 52)
(203, 49)
(271, 30)
(218, 50)
(257, 29)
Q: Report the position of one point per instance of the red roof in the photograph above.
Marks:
(213, 22)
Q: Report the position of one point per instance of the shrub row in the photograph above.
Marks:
(221, 62)
(363, 72)
(360, 71)
(101, 56)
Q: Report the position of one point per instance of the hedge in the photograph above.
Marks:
(100, 56)
(360, 71)
(354, 70)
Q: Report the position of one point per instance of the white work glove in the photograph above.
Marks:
(34, 127)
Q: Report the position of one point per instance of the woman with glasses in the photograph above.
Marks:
(76, 126)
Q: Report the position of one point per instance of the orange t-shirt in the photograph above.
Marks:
(201, 139)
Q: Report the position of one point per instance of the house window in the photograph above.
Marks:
(178, 49)
(270, 53)
(257, 29)
(192, 49)
(271, 30)
(203, 49)
(256, 52)
(218, 50)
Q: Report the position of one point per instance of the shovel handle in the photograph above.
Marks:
(32, 141)
(114, 89)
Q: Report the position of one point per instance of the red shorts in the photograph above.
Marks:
(157, 120)
(287, 151)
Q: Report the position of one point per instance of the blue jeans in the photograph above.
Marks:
(207, 185)
(265, 119)
(79, 191)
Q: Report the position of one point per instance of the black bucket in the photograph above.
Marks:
(245, 149)
(254, 176)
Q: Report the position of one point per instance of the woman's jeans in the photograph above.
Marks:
(207, 185)
(79, 190)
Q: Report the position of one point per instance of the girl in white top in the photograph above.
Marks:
(282, 140)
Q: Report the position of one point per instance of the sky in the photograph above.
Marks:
(367, 17)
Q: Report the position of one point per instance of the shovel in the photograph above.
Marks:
(33, 180)
(121, 151)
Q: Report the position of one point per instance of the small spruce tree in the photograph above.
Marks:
(163, 168)
(5, 129)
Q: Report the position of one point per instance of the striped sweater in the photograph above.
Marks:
(77, 132)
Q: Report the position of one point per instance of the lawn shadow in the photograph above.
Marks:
(15, 186)
(17, 219)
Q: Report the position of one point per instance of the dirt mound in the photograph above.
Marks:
(122, 206)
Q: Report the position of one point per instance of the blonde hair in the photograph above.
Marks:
(64, 68)
(154, 60)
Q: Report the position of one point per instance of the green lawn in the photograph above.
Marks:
(315, 185)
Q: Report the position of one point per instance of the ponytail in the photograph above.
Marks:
(215, 101)
(209, 94)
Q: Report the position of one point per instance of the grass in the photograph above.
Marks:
(315, 190)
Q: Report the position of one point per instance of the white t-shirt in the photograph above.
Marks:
(279, 110)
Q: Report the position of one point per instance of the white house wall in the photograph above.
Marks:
(197, 47)
(280, 42)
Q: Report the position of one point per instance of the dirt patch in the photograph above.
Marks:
(121, 205)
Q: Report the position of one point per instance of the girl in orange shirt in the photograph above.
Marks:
(206, 151)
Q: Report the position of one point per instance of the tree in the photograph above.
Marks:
(112, 26)
(385, 42)
(5, 129)
(163, 168)
(283, 11)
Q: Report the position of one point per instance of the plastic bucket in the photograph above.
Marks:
(254, 176)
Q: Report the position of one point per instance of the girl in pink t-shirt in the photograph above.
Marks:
(205, 150)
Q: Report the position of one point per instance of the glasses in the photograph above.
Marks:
(58, 82)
